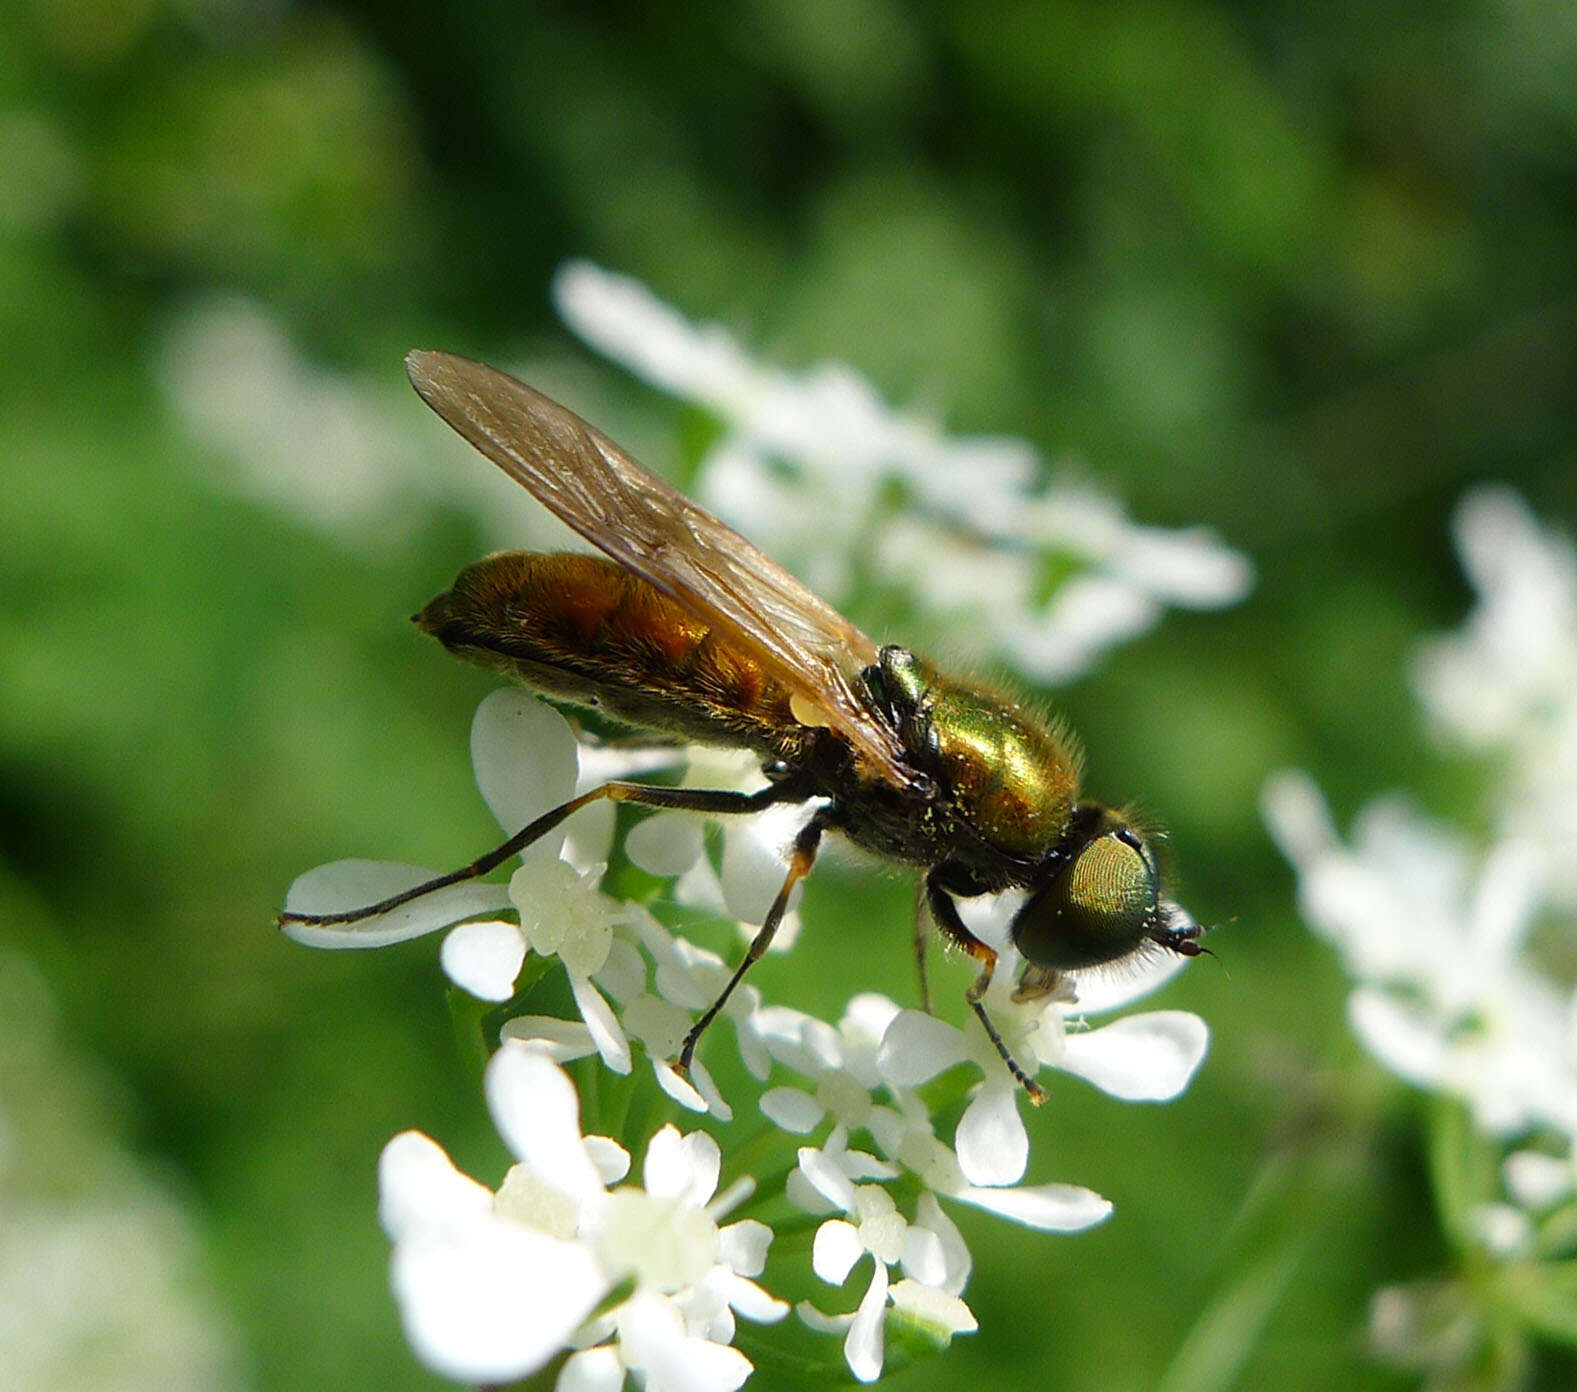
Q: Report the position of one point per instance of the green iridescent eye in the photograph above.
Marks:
(1099, 907)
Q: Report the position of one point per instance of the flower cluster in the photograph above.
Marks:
(807, 464)
(814, 467)
(102, 1282)
(849, 1141)
(1505, 686)
(564, 1256)
(866, 1132)
(1437, 932)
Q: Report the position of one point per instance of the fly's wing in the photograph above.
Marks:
(654, 531)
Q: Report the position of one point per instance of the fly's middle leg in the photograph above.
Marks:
(801, 858)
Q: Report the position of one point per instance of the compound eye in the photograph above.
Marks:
(1099, 907)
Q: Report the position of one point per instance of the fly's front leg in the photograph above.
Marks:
(801, 858)
(954, 929)
(711, 800)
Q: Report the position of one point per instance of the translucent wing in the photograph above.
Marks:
(654, 531)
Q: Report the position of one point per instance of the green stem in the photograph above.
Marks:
(766, 1144)
(466, 1014)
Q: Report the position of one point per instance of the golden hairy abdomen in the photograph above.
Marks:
(582, 629)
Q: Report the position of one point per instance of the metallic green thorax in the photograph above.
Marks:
(1018, 778)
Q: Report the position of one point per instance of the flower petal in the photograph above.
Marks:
(992, 1145)
(652, 1335)
(611, 1159)
(1535, 1180)
(678, 1087)
(537, 1112)
(826, 1177)
(609, 763)
(812, 1318)
(419, 1188)
(525, 760)
(804, 1195)
(955, 1252)
(1503, 1230)
(588, 835)
(561, 1040)
(743, 1245)
(754, 860)
(749, 1300)
(1402, 1037)
(484, 958)
(1507, 900)
(863, 1344)
(683, 1169)
(792, 1110)
(591, 1370)
(623, 972)
(667, 843)
(349, 884)
(942, 1311)
(494, 1301)
(835, 1250)
(916, 1047)
(923, 1258)
(861, 1164)
(1140, 1058)
(1046, 1207)
(603, 1024)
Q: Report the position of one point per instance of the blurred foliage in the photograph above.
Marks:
(1299, 272)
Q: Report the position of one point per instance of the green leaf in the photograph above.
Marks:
(1217, 1349)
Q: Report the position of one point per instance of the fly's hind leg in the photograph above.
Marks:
(717, 801)
(801, 858)
(947, 919)
(922, 938)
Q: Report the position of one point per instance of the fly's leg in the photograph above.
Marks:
(921, 939)
(801, 858)
(719, 800)
(946, 914)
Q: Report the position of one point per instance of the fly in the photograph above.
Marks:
(682, 626)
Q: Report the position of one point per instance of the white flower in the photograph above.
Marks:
(839, 1064)
(103, 1284)
(1433, 935)
(844, 1067)
(1506, 684)
(1145, 1058)
(527, 761)
(904, 1134)
(687, 981)
(929, 1249)
(966, 549)
(491, 1286)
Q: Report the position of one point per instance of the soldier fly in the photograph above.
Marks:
(683, 627)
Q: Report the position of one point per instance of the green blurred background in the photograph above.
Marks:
(1299, 272)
